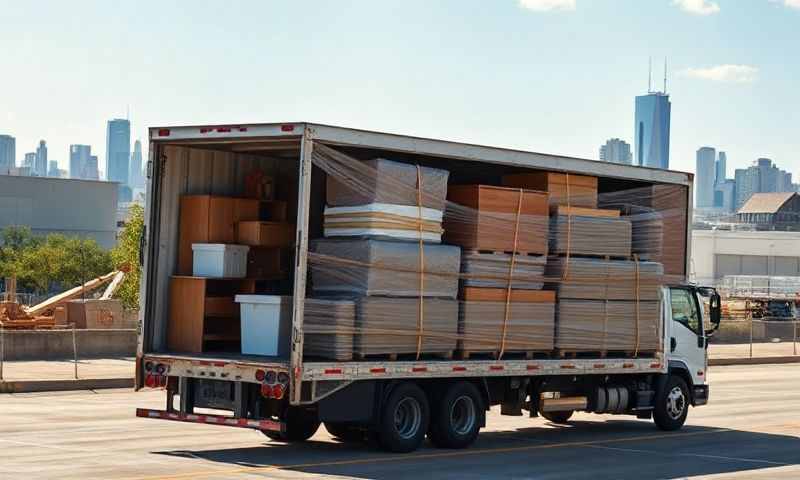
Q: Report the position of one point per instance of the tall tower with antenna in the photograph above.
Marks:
(652, 124)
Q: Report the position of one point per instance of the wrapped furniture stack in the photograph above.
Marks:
(503, 232)
(381, 252)
(607, 301)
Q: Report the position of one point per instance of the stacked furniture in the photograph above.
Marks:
(602, 293)
(504, 233)
(224, 248)
(382, 253)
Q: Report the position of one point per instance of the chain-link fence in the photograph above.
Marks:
(747, 337)
(66, 354)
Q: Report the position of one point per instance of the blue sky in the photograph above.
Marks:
(555, 76)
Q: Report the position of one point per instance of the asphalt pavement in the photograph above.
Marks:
(750, 429)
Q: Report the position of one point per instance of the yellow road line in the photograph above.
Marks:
(422, 456)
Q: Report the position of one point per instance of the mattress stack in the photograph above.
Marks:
(380, 198)
(402, 291)
(606, 304)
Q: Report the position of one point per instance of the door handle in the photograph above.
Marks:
(673, 344)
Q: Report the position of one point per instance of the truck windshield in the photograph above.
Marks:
(684, 309)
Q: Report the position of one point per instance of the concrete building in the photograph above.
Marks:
(717, 253)
(651, 130)
(705, 177)
(118, 151)
(52, 170)
(725, 196)
(8, 154)
(92, 170)
(722, 164)
(616, 151)
(79, 161)
(136, 175)
(72, 207)
(761, 177)
(40, 161)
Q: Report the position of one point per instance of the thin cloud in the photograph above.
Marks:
(724, 73)
(548, 5)
(699, 7)
(792, 3)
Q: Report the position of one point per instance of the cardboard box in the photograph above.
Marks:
(489, 219)
(265, 234)
(210, 219)
(96, 314)
(582, 191)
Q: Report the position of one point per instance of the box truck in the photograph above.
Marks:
(378, 303)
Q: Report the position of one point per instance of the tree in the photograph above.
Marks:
(14, 240)
(126, 255)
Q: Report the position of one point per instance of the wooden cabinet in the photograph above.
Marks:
(203, 315)
(210, 219)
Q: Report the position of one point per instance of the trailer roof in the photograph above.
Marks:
(277, 137)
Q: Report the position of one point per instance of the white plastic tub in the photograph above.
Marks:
(218, 260)
(266, 324)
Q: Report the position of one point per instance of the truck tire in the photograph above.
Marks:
(456, 418)
(561, 418)
(671, 404)
(344, 432)
(301, 425)
(404, 419)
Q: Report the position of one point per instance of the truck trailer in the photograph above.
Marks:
(623, 344)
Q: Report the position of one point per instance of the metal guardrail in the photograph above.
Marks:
(7, 336)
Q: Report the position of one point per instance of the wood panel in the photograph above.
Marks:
(186, 314)
(584, 212)
(582, 188)
(480, 294)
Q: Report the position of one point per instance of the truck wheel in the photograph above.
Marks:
(457, 417)
(560, 418)
(344, 432)
(404, 419)
(672, 404)
(301, 425)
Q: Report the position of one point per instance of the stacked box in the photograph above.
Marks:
(491, 270)
(600, 326)
(594, 236)
(366, 267)
(529, 326)
(329, 326)
(601, 279)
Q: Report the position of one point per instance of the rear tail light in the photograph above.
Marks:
(283, 377)
(271, 376)
(277, 391)
(161, 368)
(287, 128)
(148, 366)
(266, 391)
(260, 374)
(163, 132)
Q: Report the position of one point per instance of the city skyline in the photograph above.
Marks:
(489, 96)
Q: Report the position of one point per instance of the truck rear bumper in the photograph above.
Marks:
(264, 425)
(699, 395)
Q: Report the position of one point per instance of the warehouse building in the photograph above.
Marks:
(85, 208)
(771, 211)
(717, 253)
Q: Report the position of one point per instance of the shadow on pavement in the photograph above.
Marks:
(592, 450)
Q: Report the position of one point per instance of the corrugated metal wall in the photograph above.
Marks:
(194, 171)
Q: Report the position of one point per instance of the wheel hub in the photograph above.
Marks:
(462, 415)
(407, 417)
(676, 403)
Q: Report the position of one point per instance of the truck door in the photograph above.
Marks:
(687, 334)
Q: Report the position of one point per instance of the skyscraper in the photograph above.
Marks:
(8, 154)
(79, 160)
(722, 161)
(118, 151)
(92, 172)
(40, 163)
(136, 176)
(651, 134)
(29, 160)
(52, 171)
(705, 177)
(616, 151)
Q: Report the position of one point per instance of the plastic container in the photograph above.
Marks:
(217, 260)
(266, 324)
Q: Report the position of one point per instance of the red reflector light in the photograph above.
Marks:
(419, 369)
(655, 365)
(266, 391)
(459, 369)
(495, 367)
(260, 374)
(151, 381)
(163, 132)
(333, 371)
(224, 129)
(599, 365)
(533, 367)
(277, 391)
(287, 128)
(377, 370)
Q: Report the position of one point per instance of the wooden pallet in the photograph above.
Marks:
(508, 355)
